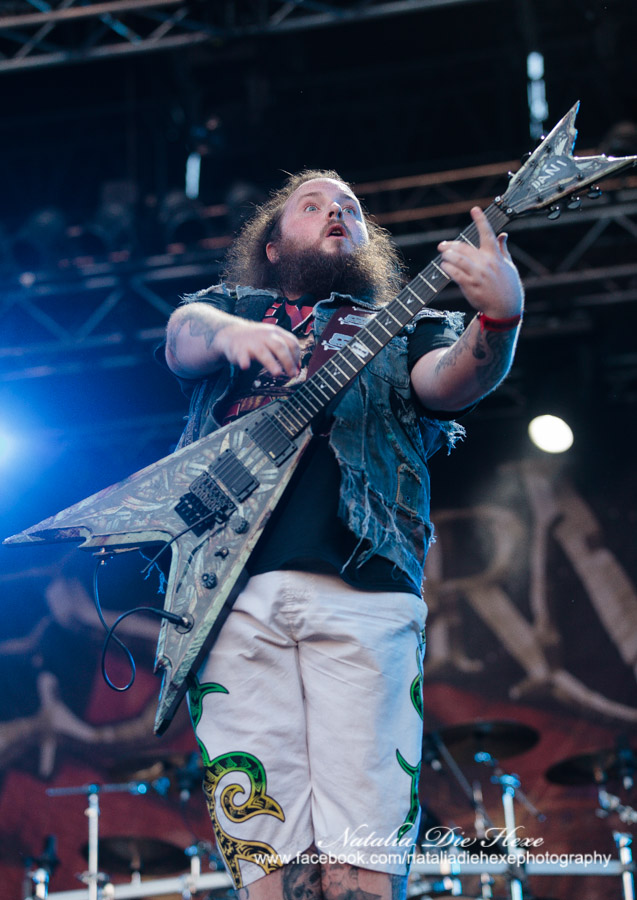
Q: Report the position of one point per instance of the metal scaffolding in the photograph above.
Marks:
(36, 34)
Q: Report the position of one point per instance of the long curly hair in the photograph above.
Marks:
(247, 263)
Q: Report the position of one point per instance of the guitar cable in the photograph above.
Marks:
(183, 622)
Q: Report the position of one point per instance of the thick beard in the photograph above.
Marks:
(312, 271)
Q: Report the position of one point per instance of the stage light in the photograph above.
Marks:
(551, 434)
(536, 94)
(8, 445)
(193, 175)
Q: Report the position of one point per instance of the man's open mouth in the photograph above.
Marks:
(336, 231)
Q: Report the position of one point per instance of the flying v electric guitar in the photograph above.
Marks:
(212, 499)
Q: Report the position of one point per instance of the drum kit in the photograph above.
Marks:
(502, 851)
(445, 860)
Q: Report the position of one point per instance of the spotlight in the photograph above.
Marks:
(8, 447)
(551, 434)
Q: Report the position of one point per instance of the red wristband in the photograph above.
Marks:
(489, 324)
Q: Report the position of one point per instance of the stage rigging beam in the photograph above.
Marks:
(190, 23)
(108, 314)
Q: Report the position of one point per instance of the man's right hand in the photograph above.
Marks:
(243, 343)
(200, 338)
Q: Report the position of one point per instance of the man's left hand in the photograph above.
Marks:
(486, 274)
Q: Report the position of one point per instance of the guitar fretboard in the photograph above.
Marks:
(295, 413)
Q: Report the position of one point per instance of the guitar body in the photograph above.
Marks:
(212, 500)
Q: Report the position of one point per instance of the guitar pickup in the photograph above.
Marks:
(235, 475)
(204, 505)
(272, 439)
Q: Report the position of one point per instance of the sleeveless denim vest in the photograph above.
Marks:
(380, 439)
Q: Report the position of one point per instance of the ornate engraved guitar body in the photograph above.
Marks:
(212, 499)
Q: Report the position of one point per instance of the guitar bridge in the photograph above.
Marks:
(204, 505)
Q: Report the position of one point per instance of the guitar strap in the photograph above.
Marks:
(340, 329)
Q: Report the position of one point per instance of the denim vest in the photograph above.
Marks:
(381, 440)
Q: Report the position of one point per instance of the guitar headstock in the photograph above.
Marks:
(552, 172)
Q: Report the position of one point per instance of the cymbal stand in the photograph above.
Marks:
(510, 785)
(39, 870)
(92, 877)
(623, 841)
(473, 793)
(475, 799)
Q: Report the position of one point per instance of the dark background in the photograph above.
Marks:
(258, 90)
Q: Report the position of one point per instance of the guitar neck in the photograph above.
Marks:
(295, 413)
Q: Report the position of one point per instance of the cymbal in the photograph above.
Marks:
(148, 767)
(499, 738)
(138, 854)
(597, 767)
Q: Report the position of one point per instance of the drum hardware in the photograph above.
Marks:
(609, 803)
(510, 785)
(39, 869)
(479, 742)
(623, 842)
(98, 882)
(500, 738)
(598, 768)
(135, 856)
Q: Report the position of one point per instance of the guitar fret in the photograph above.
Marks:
(327, 371)
(336, 366)
(311, 387)
(428, 283)
(389, 313)
(442, 271)
(319, 387)
(290, 412)
(403, 306)
(385, 329)
(412, 291)
(464, 238)
(353, 367)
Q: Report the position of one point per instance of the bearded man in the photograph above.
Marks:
(308, 711)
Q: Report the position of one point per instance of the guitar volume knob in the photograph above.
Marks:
(209, 580)
(241, 526)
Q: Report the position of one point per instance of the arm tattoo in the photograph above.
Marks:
(200, 328)
(197, 327)
(496, 350)
(492, 351)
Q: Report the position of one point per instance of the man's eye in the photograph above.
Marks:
(351, 209)
(310, 207)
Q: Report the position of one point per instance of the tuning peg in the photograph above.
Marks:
(526, 157)
(594, 192)
(554, 212)
(574, 203)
